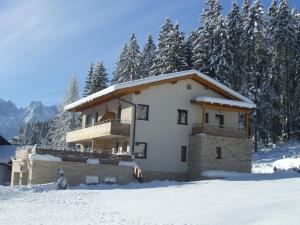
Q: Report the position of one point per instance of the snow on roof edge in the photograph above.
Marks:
(225, 102)
(153, 79)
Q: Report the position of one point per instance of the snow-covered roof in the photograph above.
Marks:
(221, 101)
(152, 79)
(6, 152)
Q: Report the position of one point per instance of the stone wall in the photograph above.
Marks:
(46, 171)
(235, 154)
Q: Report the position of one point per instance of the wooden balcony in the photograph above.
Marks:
(218, 130)
(106, 129)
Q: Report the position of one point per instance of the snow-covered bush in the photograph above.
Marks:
(62, 182)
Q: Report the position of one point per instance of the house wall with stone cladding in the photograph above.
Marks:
(235, 154)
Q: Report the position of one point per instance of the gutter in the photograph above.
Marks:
(134, 122)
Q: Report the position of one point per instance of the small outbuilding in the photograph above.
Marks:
(7, 150)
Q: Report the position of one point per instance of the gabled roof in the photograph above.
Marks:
(122, 89)
(225, 102)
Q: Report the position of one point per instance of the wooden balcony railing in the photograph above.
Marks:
(107, 128)
(219, 130)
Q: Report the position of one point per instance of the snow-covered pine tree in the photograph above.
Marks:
(234, 47)
(256, 61)
(133, 65)
(170, 56)
(129, 63)
(188, 50)
(119, 73)
(160, 61)
(175, 54)
(88, 83)
(274, 87)
(99, 78)
(286, 47)
(147, 57)
(208, 39)
(65, 121)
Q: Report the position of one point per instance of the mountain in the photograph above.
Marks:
(12, 117)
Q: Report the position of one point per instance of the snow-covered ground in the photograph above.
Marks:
(267, 158)
(238, 199)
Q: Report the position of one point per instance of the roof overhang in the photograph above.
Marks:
(119, 90)
(225, 104)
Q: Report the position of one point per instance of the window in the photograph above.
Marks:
(206, 118)
(218, 152)
(183, 153)
(220, 120)
(142, 112)
(189, 86)
(182, 117)
(89, 120)
(140, 150)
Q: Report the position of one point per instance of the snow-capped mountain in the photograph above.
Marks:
(12, 117)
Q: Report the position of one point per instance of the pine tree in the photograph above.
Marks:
(65, 121)
(88, 83)
(147, 57)
(208, 39)
(175, 59)
(286, 47)
(188, 50)
(129, 63)
(160, 63)
(234, 47)
(99, 78)
(171, 53)
(119, 73)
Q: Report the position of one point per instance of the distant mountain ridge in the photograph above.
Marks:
(12, 117)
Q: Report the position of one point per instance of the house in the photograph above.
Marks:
(176, 125)
(6, 152)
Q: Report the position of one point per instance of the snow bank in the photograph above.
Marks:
(223, 174)
(287, 164)
(93, 161)
(45, 157)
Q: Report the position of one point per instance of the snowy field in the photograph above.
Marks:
(238, 199)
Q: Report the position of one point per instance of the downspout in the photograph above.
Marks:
(134, 122)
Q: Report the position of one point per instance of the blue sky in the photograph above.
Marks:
(42, 43)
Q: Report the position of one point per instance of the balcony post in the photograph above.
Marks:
(247, 124)
(203, 117)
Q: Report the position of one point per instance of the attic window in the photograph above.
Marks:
(189, 86)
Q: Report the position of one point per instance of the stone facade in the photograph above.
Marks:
(235, 154)
(40, 172)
